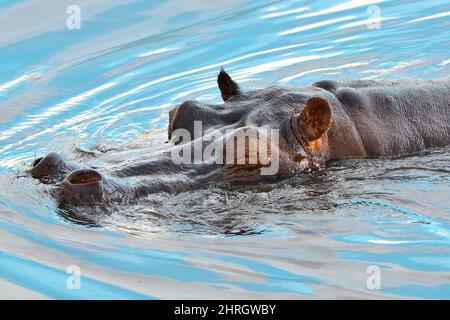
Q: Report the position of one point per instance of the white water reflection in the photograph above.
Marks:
(100, 96)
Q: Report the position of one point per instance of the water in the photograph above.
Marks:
(102, 94)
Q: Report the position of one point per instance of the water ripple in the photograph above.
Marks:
(101, 95)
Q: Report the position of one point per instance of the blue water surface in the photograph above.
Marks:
(109, 86)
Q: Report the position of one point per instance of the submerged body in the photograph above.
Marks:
(325, 121)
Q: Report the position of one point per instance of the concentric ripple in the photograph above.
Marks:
(100, 96)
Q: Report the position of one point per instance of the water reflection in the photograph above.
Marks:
(100, 96)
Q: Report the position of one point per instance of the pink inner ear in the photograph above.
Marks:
(315, 118)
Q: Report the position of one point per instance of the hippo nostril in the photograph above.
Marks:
(84, 176)
(36, 162)
(51, 164)
(82, 186)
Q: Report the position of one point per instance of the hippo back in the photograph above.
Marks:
(396, 117)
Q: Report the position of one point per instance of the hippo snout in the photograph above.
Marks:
(50, 165)
(82, 186)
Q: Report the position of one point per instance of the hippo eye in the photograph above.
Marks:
(298, 158)
(294, 121)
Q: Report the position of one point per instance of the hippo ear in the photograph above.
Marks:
(227, 86)
(315, 119)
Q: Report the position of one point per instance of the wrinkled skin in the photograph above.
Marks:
(325, 121)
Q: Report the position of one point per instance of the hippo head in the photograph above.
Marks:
(252, 135)
(288, 125)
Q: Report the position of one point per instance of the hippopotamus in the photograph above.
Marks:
(315, 124)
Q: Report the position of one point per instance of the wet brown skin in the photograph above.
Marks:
(391, 118)
(335, 120)
(324, 121)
